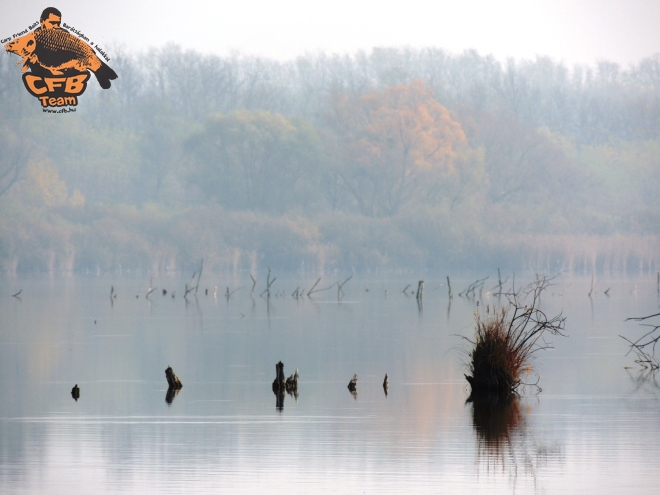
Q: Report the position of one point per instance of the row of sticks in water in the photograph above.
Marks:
(280, 384)
(193, 287)
(291, 383)
(299, 293)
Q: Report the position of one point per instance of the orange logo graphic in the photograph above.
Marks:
(58, 61)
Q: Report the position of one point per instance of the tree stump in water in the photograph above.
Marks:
(173, 381)
(75, 392)
(279, 384)
(174, 385)
(352, 385)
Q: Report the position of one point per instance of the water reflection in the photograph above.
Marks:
(645, 378)
(279, 396)
(171, 393)
(279, 399)
(494, 420)
(504, 442)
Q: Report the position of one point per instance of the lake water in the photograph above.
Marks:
(594, 427)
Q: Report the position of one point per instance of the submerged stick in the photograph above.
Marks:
(420, 290)
(199, 277)
(341, 285)
(478, 284)
(151, 287)
(311, 291)
(500, 283)
(322, 290)
(189, 287)
(229, 293)
(269, 282)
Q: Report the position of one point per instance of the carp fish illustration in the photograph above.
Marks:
(58, 51)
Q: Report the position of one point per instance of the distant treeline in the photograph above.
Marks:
(394, 158)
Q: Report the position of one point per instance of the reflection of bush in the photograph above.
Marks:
(506, 445)
(494, 420)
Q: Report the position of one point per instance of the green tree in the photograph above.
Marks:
(255, 161)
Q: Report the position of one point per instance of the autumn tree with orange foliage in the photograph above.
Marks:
(392, 147)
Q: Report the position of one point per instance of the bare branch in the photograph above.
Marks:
(340, 287)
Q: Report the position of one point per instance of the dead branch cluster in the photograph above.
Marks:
(644, 346)
(472, 288)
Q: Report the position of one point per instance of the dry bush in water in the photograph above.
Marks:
(506, 339)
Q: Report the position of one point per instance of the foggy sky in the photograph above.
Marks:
(573, 31)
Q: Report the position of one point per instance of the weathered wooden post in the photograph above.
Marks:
(174, 385)
(172, 380)
(279, 384)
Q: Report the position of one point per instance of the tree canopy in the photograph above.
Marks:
(394, 146)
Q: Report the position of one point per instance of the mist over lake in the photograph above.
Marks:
(401, 268)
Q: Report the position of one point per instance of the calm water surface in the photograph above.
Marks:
(594, 428)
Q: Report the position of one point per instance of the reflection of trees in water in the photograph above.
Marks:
(504, 441)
